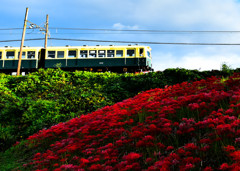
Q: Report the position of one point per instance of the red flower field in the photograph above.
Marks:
(188, 126)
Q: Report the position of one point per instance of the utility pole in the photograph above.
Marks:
(22, 42)
(46, 33)
(32, 26)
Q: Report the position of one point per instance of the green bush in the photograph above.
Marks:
(40, 100)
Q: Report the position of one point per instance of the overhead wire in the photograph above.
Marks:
(10, 28)
(18, 40)
(136, 30)
(83, 33)
(163, 31)
(133, 42)
(136, 42)
(118, 31)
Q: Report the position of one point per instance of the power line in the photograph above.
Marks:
(95, 33)
(163, 31)
(10, 28)
(83, 33)
(18, 40)
(134, 42)
(104, 33)
(135, 30)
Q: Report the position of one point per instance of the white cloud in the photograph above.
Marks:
(120, 26)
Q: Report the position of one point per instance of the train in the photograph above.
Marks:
(128, 58)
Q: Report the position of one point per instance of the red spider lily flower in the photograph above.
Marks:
(160, 145)
(108, 168)
(152, 127)
(236, 155)
(149, 160)
(208, 168)
(63, 160)
(181, 151)
(37, 156)
(229, 148)
(96, 167)
(56, 165)
(236, 167)
(205, 148)
(136, 134)
(190, 146)
(141, 143)
(52, 157)
(70, 167)
(225, 166)
(83, 160)
(205, 141)
(110, 145)
(229, 111)
(17, 142)
(148, 138)
(169, 148)
(133, 166)
(188, 166)
(194, 106)
(131, 156)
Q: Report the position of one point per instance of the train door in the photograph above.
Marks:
(141, 52)
(42, 58)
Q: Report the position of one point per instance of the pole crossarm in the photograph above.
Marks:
(35, 26)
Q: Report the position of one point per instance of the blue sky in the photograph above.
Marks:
(169, 15)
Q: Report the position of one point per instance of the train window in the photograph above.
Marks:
(83, 53)
(130, 52)
(110, 53)
(141, 52)
(119, 53)
(0, 55)
(92, 53)
(31, 54)
(10, 55)
(101, 53)
(51, 54)
(72, 53)
(60, 54)
(23, 55)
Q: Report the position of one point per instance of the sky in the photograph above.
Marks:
(164, 15)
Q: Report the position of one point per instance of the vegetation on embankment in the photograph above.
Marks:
(45, 98)
(187, 126)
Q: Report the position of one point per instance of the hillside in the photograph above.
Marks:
(187, 126)
(45, 98)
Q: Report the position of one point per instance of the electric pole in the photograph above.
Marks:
(22, 42)
(32, 26)
(46, 33)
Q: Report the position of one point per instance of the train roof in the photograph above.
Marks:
(83, 46)
(25, 47)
